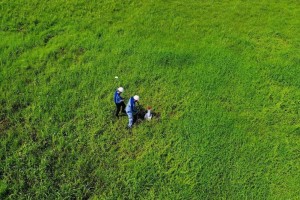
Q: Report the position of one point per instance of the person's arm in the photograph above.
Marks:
(132, 105)
(119, 98)
(135, 108)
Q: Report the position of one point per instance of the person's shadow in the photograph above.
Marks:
(140, 115)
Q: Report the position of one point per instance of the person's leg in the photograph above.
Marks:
(123, 107)
(118, 109)
(130, 118)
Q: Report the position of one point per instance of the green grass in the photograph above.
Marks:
(224, 76)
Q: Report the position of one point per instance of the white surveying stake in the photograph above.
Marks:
(148, 115)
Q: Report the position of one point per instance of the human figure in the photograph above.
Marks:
(119, 101)
(131, 109)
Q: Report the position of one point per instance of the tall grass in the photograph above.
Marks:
(223, 75)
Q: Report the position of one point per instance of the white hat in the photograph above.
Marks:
(136, 97)
(120, 89)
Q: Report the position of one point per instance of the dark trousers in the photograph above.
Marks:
(119, 106)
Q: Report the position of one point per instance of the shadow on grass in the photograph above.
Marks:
(140, 116)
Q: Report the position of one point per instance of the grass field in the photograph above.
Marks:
(224, 76)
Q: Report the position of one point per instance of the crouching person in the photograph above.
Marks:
(131, 109)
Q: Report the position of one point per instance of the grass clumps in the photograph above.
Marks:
(222, 76)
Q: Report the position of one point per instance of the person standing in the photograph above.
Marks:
(119, 101)
(131, 109)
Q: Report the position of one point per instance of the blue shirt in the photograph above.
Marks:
(131, 106)
(117, 97)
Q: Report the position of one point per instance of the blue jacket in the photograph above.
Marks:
(131, 106)
(117, 97)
